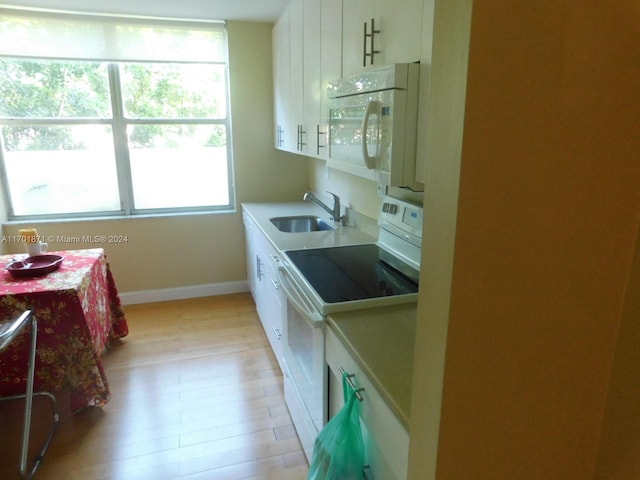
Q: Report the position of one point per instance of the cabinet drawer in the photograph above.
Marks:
(386, 440)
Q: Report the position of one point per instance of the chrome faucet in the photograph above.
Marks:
(335, 212)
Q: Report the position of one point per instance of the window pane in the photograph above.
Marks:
(178, 165)
(61, 169)
(173, 90)
(48, 89)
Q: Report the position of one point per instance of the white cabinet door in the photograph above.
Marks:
(262, 261)
(296, 75)
(271, 303)
(393, 28)
(288, 78)
(312, 78)
(250, 253)
(281, 81)
(330, 65)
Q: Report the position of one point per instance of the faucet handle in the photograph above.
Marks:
(336, 217)
(336, 198)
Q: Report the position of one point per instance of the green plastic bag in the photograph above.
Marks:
(338, 452)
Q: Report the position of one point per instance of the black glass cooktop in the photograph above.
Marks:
(354, 272)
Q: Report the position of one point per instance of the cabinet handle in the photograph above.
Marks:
(279, 136)
(275, 284)
(318, 133)
(277, 333)
(364, 45)
(301, 131)
(259, 268)
(350, 377)
(372, 43)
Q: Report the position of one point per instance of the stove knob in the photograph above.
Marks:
(390, 208)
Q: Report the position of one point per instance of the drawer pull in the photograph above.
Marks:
(275, 284)
(277, 332)
(350, 377)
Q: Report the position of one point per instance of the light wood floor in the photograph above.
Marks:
(196, 394)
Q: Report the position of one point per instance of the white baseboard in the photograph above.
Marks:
(179, 293)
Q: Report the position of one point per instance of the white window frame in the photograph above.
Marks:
(118, 121)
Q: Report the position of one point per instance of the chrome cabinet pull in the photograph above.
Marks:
(318, 133)
(277, 332)
(373, 50)
(364, 46)
(301, 131)
(350, 377)
(259, 272)
(275, 284)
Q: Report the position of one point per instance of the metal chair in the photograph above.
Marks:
(8, 332)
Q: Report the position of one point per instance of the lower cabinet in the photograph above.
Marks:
(262, 263)
(386, 440)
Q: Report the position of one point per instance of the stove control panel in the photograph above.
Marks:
(401, 229)
(402, 215)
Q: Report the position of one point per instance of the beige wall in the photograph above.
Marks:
(357, 193)
(541, 373)
(179, 251)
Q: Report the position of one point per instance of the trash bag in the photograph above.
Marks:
(338, 451)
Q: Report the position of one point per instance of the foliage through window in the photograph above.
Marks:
(103, 137)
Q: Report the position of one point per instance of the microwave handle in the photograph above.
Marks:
(373, 108)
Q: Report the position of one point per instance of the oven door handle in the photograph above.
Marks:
(298, 298)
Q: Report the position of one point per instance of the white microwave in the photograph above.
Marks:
(373, 118)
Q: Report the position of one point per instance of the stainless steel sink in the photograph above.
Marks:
(301, 224)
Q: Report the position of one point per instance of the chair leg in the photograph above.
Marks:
(28, 475)
(28, 410)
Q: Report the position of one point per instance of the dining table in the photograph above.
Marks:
(79, 314)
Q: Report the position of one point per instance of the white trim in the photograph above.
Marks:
(179, 293)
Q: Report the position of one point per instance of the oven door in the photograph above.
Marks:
(305, 374)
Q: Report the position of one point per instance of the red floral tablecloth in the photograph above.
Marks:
(78, 312)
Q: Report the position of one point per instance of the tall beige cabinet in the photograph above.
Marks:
(527, 349)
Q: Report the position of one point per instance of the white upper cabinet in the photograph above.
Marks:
(288, 78)
(296, 74)
(296, 71)
(330, 65)
(312, 79)
(380, 32)
(281, 81)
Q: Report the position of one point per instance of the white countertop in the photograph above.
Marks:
(261, 213)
